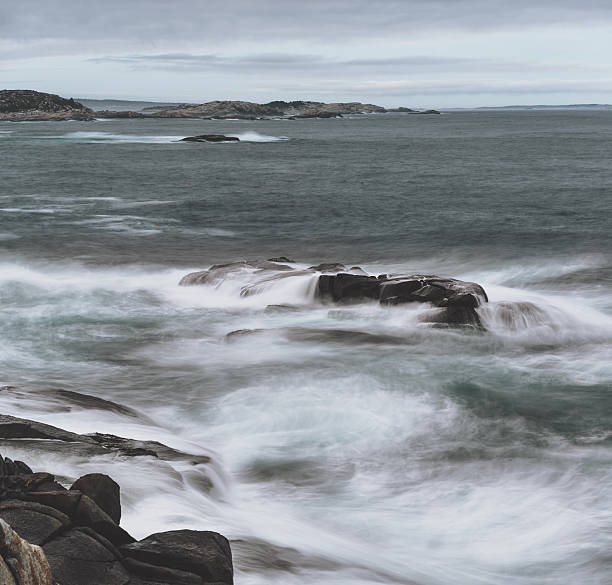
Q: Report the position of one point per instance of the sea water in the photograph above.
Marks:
(449, 457)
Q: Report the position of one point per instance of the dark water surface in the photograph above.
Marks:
(454, 458)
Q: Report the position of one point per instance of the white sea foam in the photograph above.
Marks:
(319, 449)
(108, 137)
(257, 137)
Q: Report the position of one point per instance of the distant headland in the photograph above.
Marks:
(29, 105)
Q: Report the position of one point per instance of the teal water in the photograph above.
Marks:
(455, 458)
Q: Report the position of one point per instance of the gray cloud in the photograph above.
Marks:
(264, 63)
(207, 49)
(155, 22)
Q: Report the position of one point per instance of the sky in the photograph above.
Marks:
(414, 53)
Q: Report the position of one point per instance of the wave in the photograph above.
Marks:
(108, 137)
(256, 137)
(112, 138)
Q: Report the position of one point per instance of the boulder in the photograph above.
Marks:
(210, 138)
(157, 574)
(88, 513)
(103, 490)
(32, 521)
(22, 563)
(203, 553)
(78, 557)
(457, 299)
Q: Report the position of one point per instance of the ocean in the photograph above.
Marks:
(454, 457)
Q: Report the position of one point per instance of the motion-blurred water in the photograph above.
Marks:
(447, 458)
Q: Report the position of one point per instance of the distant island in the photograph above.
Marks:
(29, 105)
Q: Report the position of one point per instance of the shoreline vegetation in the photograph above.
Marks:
(31, 106)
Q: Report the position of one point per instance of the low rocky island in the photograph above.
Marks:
(29, 105)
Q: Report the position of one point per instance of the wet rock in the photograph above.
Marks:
(459, 299)
(281, 259)
(346, 336)
(78, 557)
(88, 513)
(22, 563)
(329, 267)
(203, 553)
(157, 574)
(210, 138)
(220, 271)
(80, 538)
(64, 501)
(193, 278)
(18, 485)
(32, 521)
(348, 288)
(241, 333)
(93, 402)
(133, 448)
(12, 427)
(103, 490)
(280, 309)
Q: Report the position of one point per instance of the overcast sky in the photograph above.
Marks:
(427, 53)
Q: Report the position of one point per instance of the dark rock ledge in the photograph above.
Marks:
(453, 302)
(52, 535)
(211, 138)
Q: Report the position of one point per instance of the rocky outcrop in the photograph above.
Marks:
(21, 563)
(12, 427)
(18, 105)
(121, 114)
(210, 138)
(72, 536)
(456, 300)
(291, 110)
(251, 110)
(452, 302)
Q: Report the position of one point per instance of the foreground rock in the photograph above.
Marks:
(12, 427)
(50, 534)
(28, 105)
(452, 302)
(21, 563)
(211, 138)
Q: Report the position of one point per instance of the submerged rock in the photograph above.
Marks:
(211, 138)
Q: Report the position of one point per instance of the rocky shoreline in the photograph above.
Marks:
(451, 302)
(29, 105)
(50, 534)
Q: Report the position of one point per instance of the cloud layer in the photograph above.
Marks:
(391, 49)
